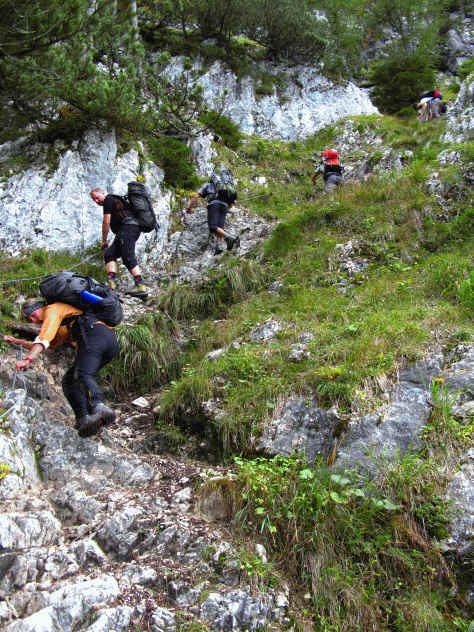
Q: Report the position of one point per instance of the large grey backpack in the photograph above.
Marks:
(224, 185)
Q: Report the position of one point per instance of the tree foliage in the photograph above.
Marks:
(90, 59)
(65, 55)
(400, 80)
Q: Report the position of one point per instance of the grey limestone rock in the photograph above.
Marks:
(460, 117)
(299, 426)
(398, 428)
(163, 620)
(240, 610)
(264, 333)
(307, 103)
(113, 620)
(460, 543)
(298, 352)
(55, 212)
(65, 608)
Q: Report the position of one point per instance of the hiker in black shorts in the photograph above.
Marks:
(220, 195)
(121, 221)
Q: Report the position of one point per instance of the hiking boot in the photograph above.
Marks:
(232, 242)
(218, 251)
(87, 426)
(139, 290)
(111, 283)
(101, 414)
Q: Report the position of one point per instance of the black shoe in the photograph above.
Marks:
(102, 414)
(87, 426)
(232, 242)
(218, 251)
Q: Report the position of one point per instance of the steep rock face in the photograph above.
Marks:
(460, 117)
(51, 208)
(54, 210)
(459, 41)
(307, 102)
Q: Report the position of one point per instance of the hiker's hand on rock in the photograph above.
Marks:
(10, 339)
(189, 210)
(104, 244)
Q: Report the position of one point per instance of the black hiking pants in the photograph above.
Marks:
(97, 347)
(216, 214)
(124, 246)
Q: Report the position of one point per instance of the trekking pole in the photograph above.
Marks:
(19, 358)
(12, 387)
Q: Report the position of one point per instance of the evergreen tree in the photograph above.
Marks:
(64, 58)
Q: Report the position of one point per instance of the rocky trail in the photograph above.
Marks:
(96, 537)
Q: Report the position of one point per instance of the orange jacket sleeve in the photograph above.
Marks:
(52, 333)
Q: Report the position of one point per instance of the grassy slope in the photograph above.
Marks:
(361, 558)
(416, 293)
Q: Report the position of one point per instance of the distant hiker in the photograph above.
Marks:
(430, 106)
(220, 195)
(121, 219)
(95, 344)
(331, 169)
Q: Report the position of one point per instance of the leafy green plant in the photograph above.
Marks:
(222, 127)
(176, 160)
(465, 69)
(4, 470)
(443, 429)
(360, 549)
(259, 572)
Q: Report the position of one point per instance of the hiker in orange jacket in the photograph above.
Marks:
(95, 344)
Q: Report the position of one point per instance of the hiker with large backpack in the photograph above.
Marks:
(330, 168)
(127, 217)
(88, 326)
(430, 106)
(220, 195)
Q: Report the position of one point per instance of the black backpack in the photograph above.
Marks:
(224, 186)
(141, 206)
(67, 287)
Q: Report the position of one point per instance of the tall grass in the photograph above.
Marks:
(149, 355)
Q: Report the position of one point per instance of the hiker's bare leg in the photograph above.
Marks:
(111, 266)
(135, 271)
(220, 233)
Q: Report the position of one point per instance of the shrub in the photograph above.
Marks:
(400, 80)
(465, 69)
(176, 160)
(222, 128)
(359, 548)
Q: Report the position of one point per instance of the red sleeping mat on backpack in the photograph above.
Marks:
(331, 158)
